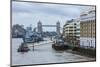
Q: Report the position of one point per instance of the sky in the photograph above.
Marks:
(29, 13)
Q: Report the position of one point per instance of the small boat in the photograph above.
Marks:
(23, 48)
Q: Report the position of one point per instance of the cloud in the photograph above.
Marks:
(20, 7)
(27, 13)
(51, 9)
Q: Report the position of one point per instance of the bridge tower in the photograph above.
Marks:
(58, 28)
(39, 27)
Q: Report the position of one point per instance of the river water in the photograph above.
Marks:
(42, 54)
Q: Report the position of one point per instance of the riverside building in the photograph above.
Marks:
(88, 28)
(71, 31)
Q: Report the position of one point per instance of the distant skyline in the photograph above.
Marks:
(27, 13)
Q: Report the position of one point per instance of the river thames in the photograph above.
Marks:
(43, 53)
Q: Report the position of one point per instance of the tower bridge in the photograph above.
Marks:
(40, 27)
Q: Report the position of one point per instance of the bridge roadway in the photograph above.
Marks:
(49, 25)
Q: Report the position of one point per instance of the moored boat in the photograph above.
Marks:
(60, 45)
(23, 48)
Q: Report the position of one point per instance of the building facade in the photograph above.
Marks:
(88, 28)
(77, 32)
(18, 31)
(71, 31)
